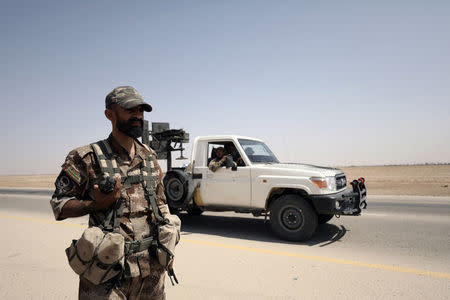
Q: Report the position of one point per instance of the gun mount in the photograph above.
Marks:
(165, 141)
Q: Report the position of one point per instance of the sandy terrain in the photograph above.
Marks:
(30, 181)
(429, 180)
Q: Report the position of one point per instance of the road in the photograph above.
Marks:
(398, 249)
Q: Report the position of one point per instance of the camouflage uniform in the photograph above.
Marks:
(144, 275)
(215, 164)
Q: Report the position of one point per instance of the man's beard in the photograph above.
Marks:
(129, 129)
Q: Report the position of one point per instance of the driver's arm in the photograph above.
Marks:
(216, 164)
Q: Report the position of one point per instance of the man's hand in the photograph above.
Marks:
(102, 200)
(171, 273)
(170, 267)
(77, 208)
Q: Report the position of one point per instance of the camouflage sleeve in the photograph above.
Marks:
(72, 182)
(214, 165)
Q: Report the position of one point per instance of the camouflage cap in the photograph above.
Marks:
(127, 97)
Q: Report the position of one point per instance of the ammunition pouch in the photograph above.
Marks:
(97, 256)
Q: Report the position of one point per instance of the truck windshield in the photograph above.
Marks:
(258, 152)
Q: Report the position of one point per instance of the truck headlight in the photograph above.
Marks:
(325, 183)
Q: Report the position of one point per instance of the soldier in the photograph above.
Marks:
(220, 160)
(230, 149)
(77, 193)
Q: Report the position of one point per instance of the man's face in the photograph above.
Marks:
(219, 152)
(130, 121)
(230, 148)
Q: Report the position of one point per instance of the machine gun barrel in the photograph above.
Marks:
(175, 135)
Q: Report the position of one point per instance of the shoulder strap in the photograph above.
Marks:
(104, 155)
(149, 184)
(108, 166)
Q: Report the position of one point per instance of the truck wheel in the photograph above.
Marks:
(194, 211)
(324, 218)
(292, 218)
(176, 188)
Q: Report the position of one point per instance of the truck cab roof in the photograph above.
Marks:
(224, 137)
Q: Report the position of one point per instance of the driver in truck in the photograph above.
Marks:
(221, 160)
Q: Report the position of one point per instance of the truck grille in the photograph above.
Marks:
(341, 181)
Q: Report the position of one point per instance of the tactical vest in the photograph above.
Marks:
(165, 231)
(109, 168)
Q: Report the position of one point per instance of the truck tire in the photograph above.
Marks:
(176, 188)
(292, 218)
(322, 218)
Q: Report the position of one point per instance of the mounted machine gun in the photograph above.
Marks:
(165, 141)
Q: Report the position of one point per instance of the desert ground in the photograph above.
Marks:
(420, 180)
(398, 248)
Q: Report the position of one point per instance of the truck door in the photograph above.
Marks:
(224, 187)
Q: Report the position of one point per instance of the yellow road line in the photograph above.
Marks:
(266, 251)
(323, 259)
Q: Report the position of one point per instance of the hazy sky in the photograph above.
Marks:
(329, 83)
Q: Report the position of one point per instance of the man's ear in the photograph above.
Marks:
(109, 114)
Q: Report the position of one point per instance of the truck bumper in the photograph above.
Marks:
(347, 202)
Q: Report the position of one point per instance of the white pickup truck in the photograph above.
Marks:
(297, 197)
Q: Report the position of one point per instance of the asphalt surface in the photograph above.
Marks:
(398, 249)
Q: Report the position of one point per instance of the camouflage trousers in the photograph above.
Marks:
(150, 287)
